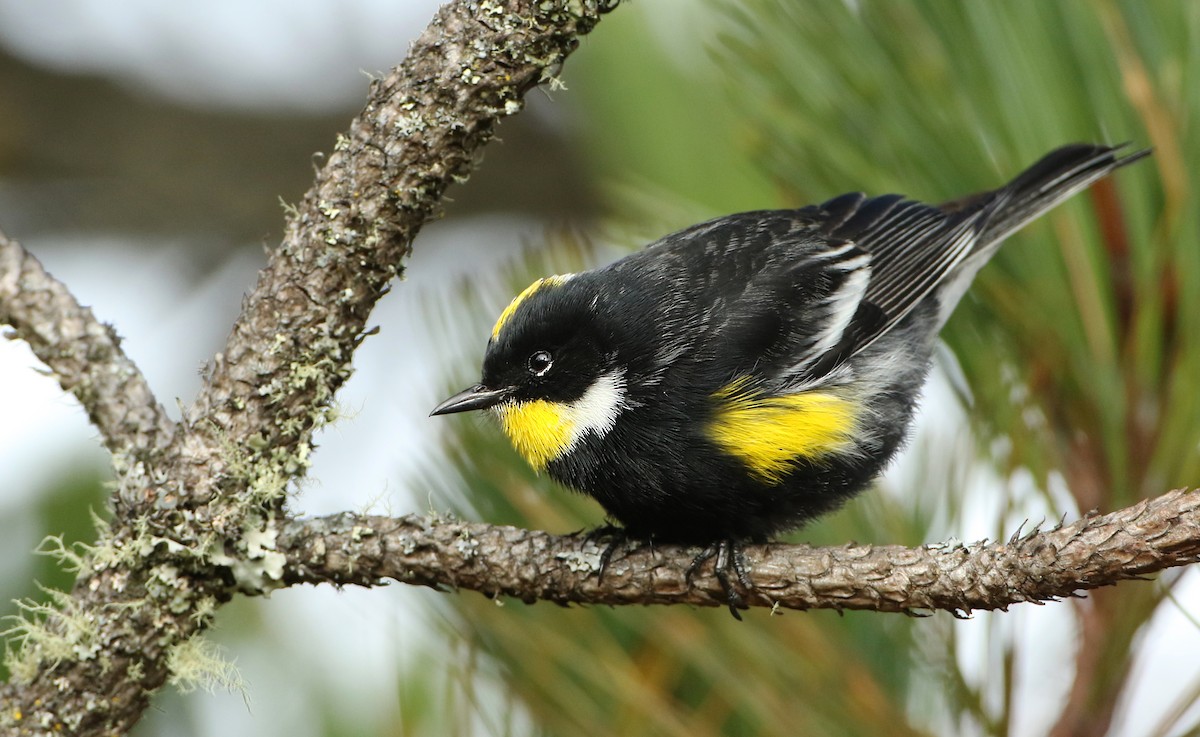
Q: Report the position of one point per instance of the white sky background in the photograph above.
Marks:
(310, 55)
(270, 54)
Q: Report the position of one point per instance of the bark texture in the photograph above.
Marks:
(194, 518)
(1098, 550)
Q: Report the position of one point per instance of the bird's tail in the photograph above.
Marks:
(1055, 177)
(998, 213)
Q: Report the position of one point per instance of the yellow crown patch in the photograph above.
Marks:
(506, 315)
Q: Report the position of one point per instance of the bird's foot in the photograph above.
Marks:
(730, 559)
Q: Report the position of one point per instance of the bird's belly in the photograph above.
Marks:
(705, 494)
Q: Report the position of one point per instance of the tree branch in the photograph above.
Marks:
(1095, 551)
(195, 523)
(422, 129)
(84, 354)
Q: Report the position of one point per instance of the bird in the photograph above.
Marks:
(740, 377)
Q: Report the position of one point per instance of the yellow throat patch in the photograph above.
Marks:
(540, 431)
(543, 431)
(769, 434)
(506, 315)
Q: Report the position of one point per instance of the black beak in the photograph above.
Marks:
(477, 397)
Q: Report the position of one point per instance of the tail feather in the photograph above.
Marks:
(998, 213)
(1052, 179)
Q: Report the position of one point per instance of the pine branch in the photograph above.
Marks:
(1097, 550)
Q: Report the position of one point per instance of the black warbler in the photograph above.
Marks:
(744, 375)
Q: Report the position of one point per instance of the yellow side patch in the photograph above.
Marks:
(506, 315)
(540, 431)
(769, 434)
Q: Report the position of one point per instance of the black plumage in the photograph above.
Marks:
(843, 299)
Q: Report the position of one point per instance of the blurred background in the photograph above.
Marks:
(147, 151)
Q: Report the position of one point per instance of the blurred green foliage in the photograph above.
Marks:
(1081, 344)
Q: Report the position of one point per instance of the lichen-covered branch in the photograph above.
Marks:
(84, 354)
(196, 520)
(421, 130)
(1098, 550)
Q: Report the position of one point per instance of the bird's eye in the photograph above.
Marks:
(540, 362)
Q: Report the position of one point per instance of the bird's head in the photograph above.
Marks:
(550, 372)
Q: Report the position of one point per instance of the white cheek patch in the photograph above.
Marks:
(597, 410)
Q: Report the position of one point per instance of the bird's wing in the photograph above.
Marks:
(913, 247)
(797, 292)
(804, 303)
(851, 271)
